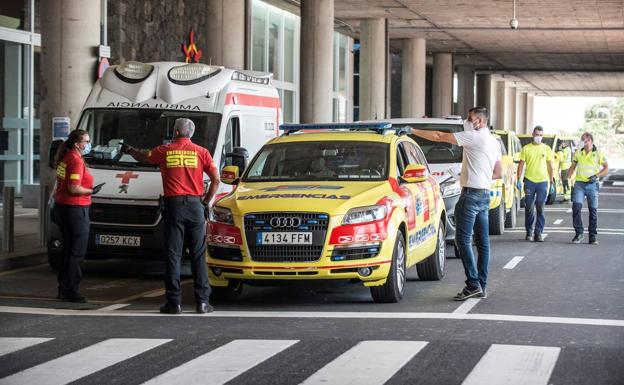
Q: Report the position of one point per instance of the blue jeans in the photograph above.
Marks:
(535, 195)
(580, 191)
(471, 215)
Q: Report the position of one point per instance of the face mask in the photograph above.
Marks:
(468, 126)
(537, 139)
(581, 143)
(86, 149)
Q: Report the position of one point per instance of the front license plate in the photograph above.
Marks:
(117, 240)
(284, 238)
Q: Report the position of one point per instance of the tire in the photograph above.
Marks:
(54, 260)
(432, 268)
(512, 215)
(392, 290)
(232, 292)
(497, 219)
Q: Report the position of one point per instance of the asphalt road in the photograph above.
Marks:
(554, 315)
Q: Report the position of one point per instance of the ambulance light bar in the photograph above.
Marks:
(379, 127)
(251, 79)
(133, 71)
(192, 73)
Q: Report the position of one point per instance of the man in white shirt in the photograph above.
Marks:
(480, 164)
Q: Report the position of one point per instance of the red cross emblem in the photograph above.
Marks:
(126, 176)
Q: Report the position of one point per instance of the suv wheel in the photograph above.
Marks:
(432, 268)
(232, 292)
(392, 290)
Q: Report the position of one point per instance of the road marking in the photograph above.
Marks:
(10, 345)
(615, 183)
(569, 210)
(558, 222)
(611, 194)
(113, 307)
(569, 231)
(155, 293)
(223, 364)
(368, 362)
(328, 315)
(467, 306)
(143, 294)
(514, 261)
(23, 269)
(81, 363)
(514, 365)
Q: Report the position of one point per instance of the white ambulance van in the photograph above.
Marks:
(235, 113)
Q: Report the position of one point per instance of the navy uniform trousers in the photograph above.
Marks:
(74, 223)
(184, 220)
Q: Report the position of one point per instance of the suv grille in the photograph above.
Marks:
(124, 214)
(316, 223)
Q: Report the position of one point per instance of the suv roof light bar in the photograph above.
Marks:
(379, 127)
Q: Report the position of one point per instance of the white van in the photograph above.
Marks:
(235, 113)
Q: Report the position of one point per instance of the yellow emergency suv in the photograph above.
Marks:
(328, 202)
(511, 157)
(503, 200)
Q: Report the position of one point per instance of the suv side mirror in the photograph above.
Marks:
(229, 175)
(415, 173)
(54, 146)
(240, 157)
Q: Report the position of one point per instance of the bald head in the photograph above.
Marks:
(184, 127)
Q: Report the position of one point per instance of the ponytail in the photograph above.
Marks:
(73, 138)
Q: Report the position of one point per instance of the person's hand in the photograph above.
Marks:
(96, 189)
(593, 179)
(519, 185)
(552, 188)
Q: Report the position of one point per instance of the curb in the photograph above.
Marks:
(16, 260)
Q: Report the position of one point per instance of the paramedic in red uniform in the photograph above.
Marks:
(72, 200)
(182, 166)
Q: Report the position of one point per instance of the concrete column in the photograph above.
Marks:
(373, 58)
(70, 31)
(317, 60)
(413, 78)
(521, 111)
(484, 91)
(225, 29)
(442, 92)
(501, 105)
(465, 90)
(13, 107)
(530, 108)
(511, 109)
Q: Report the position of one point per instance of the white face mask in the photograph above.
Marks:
(468, 126)
(537, 139)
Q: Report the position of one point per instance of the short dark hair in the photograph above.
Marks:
(538, 128)
(481, 112)
(588, 135)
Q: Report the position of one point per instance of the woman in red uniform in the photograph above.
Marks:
(72, 199)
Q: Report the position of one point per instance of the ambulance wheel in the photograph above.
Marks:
(232, 292)
(497, 219)
(54, 260)
(392, 290)
(432, 268)
(511, 216)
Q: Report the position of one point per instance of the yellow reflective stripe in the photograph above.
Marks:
(74, 176)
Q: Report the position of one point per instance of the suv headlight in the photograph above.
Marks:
(221, 215)
(364, 214)
(450, 188)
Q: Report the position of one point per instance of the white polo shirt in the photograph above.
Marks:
(481, 152)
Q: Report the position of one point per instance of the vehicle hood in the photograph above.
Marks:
(442, 171)
(334, 198)
(127, 184)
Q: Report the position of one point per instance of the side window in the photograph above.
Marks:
(502, 146)
(517, 145)
(232, 139)
(420, 157)
(401, 159)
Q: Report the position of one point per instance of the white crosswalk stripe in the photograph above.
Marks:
(83, 362)
(369, 362)
(224, 363)
(10, 345)
(514, 365)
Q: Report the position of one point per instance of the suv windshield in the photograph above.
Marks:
(320, 161)
(437, 152)
(143, 129)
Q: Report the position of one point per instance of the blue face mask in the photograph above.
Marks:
(86, 149)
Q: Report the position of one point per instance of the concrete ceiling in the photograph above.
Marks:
(562, 47)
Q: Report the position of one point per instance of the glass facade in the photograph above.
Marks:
(19, 64)
(274, 47)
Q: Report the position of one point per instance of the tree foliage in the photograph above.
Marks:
(605, 121)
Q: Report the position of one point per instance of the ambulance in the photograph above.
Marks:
(235, 112)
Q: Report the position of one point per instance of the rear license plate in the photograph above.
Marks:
(117, 240)
(284, 238)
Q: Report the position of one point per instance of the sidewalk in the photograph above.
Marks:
(28, 250)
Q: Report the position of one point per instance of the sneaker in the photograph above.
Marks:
(539, 238)
(467, 293)
(593, 240)
(578, 238)
(528, 237)
(483, 294)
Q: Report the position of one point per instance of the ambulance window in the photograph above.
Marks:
(401, 159)
(232, 139)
